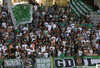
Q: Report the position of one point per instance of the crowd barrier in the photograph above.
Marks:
(68, 62)
(18, 63)
(55, 62)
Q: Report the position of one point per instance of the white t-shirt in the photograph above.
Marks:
(53, 48)
(4, 24)
(87, 41)
(72, 25)
(64, 43)
(98, 35)
(32, 46)
(4, 14)
(39, 54)
(83, 41)
(33, 36)
(54, 26)
(53, 38)
(50, 16)
(16, 53)
(59, 53)
(29, 51)
(24, 46)
(46, 24)
(4, 48)
(25, 28)
(46, 55)
(43, 49)
(43, 13)
(80, 28)
(49, 27)
(7, 34)
(10, 27)
(18, 47)
(35, 7)
(31, 33)
(91, 52)
(57, 39)
(65, 16)
(80, 53)
(69, 29)
(97, 45)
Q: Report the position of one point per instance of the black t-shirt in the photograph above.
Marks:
(55, 7)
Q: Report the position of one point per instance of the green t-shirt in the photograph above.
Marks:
(41, 7)
(62, 24)
(62, 55)
(90, 26)
(82, 24)
(0, 61)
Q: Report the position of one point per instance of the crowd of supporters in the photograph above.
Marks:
(52, 33)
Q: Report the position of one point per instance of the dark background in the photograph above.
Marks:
(89, 2)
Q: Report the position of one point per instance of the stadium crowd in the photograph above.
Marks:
(50, 34)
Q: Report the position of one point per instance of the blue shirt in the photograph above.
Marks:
(98, 11)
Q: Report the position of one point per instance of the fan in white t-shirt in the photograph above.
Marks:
(54, 26)
(46, 54)
(35, 7)
(39, 54)
(72, 25)
(69, 29)
(52, 47)
(46, 23)
(80, 52)
(4, 48)
(4, 14)
(24, 45)
(28, 50)
(53, 37)
(4, 24)
(59, 53)
(97, 45)
(58, 38)
(49, 27)
(91, 51)
(80, 28)
(43, 13)
(25, 29)
(43, 48)
(18, 46)
(64, 42)
(33, 47)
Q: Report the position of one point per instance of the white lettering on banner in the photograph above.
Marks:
(93, 61)
(43, 63)
(43, 60)
(38, 60)
(38, 65)
(59, 63)
(48, 65)
(12, 63)
(69, 62)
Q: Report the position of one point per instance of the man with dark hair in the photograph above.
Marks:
(6, 8)
(55, 8)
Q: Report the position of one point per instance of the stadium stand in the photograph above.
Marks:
(50, 35)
